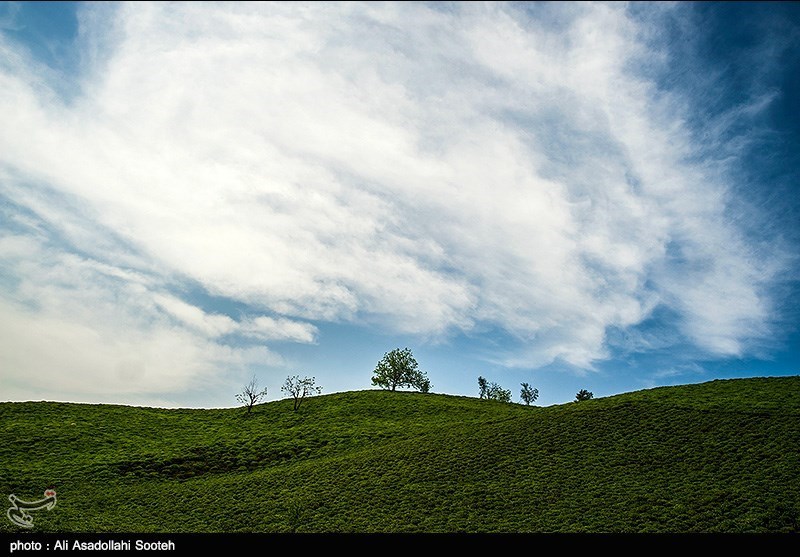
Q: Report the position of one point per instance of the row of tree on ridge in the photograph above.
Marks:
(397, 368)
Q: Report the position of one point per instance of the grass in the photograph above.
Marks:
(715, 457)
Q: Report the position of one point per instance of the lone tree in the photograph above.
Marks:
(250, 395)
(527, 394)
(299, 389)
(398, 368)
(583, 394)
(483, 387)
(496, 392)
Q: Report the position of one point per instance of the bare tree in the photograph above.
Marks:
(299, 389)
(250, 395)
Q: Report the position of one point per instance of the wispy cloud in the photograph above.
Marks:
(682, 370)
(8, 16)
(420, 168)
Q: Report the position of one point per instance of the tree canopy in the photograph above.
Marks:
(496, 392)
(398, 368)
(528, 394)
(583, 394)
(483, 387)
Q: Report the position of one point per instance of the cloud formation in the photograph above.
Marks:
(425, 169)
(76, 327)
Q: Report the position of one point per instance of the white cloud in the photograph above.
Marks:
(194, 317)
(74, 327)
(268, 328)
(415, 167)
(215, 325)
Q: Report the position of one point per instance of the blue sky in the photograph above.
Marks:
(575, 195)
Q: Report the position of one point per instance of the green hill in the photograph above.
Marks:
(718, 456)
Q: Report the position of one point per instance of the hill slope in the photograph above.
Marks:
(718, 456)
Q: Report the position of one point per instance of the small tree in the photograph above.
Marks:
(496, 392)
(425, 385)
(250, 395)
(299, 389)
(398, 368)
(583, 394)
(483, 387)
(527, 394)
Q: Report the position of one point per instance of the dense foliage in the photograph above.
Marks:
(719, 456)
(583, 394)
(398, 368)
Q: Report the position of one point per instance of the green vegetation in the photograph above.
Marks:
(528, 394)
(398, 368)
(583, 394)
(496, 392)
(483, 387)
(493, 391)
(718, 456)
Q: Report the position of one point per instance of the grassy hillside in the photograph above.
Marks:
(719, 456)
